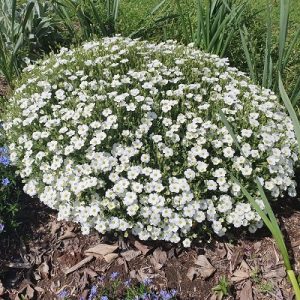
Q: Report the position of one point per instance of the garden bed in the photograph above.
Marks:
(46, 249)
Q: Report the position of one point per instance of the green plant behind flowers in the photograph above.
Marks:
(273, 61)
(266, 214)
(26, 29)
(84, 19)
(12, 32)
(211, 24)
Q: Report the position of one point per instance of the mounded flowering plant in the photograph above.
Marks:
(125, 135)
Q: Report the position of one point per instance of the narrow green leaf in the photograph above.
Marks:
(283, 28)
(290, 109)
(243, 34)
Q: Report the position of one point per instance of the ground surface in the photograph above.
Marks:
(35, 261)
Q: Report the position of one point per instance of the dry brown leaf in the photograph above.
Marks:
(160, 256)
(101, 250)
(246, 292)
(206, 269)
(130, 254)
(192, 273)
(143, 248)
(110, 257)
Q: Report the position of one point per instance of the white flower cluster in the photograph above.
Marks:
(125, 135)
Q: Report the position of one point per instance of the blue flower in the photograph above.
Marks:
(114, 275)
(127, 283)
(63, 294)
(5, 181)
(4, 160)
(104, 298)
(165, 295)
(147, 281)
(3, 150)
(93, 292)
(1, 227)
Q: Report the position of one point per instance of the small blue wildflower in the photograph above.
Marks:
(147, 281)
(93, 292)
(5, 181)
(104, 298)
(63, 294)
(101, 279)
(114, 275)
(1, 227)
(127, 283)
(4, 160)
(173, 292)
(165, 295)
(3, 150)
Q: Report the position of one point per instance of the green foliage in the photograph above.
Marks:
(222, 288)
(86, 18)
(211, 25)
(263, 66)
(25, 30)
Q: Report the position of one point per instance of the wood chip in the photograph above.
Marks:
(242, 273)
(157, 266)
(143, 248)
(246, 292)
(192, 273)
(130, 254)
(236, 258)
(79, 265)
(43, 270)
(205, 267)
(160, 256)
(277, 272)
(101, 250)
(110, 257)
(90, 272)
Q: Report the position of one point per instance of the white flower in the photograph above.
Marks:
(228, 152)
(187, 243)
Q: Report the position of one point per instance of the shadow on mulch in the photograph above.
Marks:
(32, 215)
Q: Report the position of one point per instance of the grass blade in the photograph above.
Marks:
(283, 28)
(290, 109)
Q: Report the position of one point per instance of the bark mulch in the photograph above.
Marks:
(47, 256)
